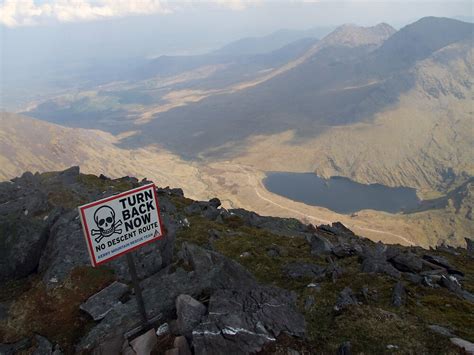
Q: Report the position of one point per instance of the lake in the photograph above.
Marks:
(340, 194)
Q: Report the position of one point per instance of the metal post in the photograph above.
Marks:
(136, 286)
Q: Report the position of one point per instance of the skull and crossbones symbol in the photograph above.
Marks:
(104, 218)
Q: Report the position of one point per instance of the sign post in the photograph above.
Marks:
(119, 224)
(136, 286)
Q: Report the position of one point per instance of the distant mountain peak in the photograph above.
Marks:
(351, 35)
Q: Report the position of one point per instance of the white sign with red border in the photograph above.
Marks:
(121, 223)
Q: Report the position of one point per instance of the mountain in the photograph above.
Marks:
(340, 91)
(220, 281)
(41, 146)
(269, 43)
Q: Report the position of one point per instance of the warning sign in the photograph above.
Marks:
(118, 224)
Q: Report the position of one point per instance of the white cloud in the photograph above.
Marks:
(30, 12)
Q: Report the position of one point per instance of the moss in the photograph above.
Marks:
(95, 183)
(55, 313)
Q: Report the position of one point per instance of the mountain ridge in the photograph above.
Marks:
(307, 288)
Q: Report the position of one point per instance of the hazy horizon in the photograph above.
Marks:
(45, 41)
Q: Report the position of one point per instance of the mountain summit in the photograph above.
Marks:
(350, 35)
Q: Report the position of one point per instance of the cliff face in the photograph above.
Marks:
(222, 280)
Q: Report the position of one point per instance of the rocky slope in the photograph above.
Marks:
(221, 281)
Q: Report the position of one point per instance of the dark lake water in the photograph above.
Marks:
(340, 194)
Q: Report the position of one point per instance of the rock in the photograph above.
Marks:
(163, 329)
(337, 228)
(205, 209)
(57, 350)
(398, 295)
(440, 330)
(242, 321)
(22, 240)
(470, 247)
(43, 346)
(319, 245)
(211, 271)
(408, 262)
(452, 284)
(442, 262)
(182, 345)
(173, 351)
(145, 343)
(345, 299)
(215, 202)
(245, 254)
(380, 266)
(413, 278)
(214, 235)
(297, 270)
(102, 302)
(189, 312)
(214, 270)
(334, 270)
(14, 348)
(276, 250)
(279, 226)
(345, 348)
(109, 346)
(467, 346)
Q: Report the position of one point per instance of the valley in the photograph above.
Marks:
(350, 104)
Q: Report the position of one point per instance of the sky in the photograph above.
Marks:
(43, 40)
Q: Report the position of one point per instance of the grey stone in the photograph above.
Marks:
(145, 343)
(373, 265)
(413, 278)
(345, 299)
(440, 330)
(102, 302)
(408, 262)
(189, 312)
(212, 271)
(442, 262)
(319, 245)
(297, 270)
(163, 329)
(215, 202)
(43, 347)
(467, 346)
(452, 284)
(22, 240)
(398, 295)
(14, 348)
(242, 321)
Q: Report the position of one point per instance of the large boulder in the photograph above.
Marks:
(98, 305)
(407, 262)
(242, 321)
(24, 222)
(190, 312)
(319, 245)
